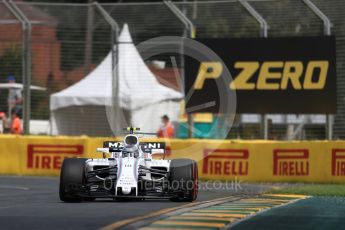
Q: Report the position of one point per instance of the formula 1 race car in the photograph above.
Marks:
(128, 170)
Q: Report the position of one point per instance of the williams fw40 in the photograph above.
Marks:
(127, 170)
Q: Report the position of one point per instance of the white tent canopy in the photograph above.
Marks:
(138, 91)
(20, 86)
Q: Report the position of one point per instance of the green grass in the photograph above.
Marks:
(312, 189)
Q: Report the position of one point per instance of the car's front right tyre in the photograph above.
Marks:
(71, 179)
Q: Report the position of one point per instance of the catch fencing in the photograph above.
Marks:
(55, 45)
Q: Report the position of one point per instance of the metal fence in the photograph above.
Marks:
(56, 45)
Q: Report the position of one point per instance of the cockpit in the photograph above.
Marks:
(131, 146)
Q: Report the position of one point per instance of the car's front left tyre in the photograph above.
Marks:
(184, 179)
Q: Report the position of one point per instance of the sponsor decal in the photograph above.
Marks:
(153, 145)
(232, 162)
(289, 74)
(284, 75)
(144, 145)
(50, 156)
(111, 144)
(290, 162)
(338, 162)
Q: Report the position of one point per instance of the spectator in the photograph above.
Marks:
(167, 130)
(15, 98)
(16, 127)
(4, 123)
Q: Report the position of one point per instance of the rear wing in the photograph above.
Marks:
(111, 146)
(147, 147)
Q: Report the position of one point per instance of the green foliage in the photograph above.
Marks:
(39, 105)
(11, 64)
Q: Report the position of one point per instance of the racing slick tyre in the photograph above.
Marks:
(184, 179)
(71, 179)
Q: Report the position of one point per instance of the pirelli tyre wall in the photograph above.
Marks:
(317, 161)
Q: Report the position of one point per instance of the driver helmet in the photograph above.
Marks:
(131, 150)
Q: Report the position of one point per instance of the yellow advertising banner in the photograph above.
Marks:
(37, 155)
(319, 161)
(261, 161)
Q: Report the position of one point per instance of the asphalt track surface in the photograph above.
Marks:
(33, 203)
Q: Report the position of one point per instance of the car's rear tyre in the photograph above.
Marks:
(184, 179)
(71, 179)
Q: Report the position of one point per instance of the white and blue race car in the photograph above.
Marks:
(127, 170)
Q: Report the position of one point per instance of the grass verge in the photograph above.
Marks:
(312, 189)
